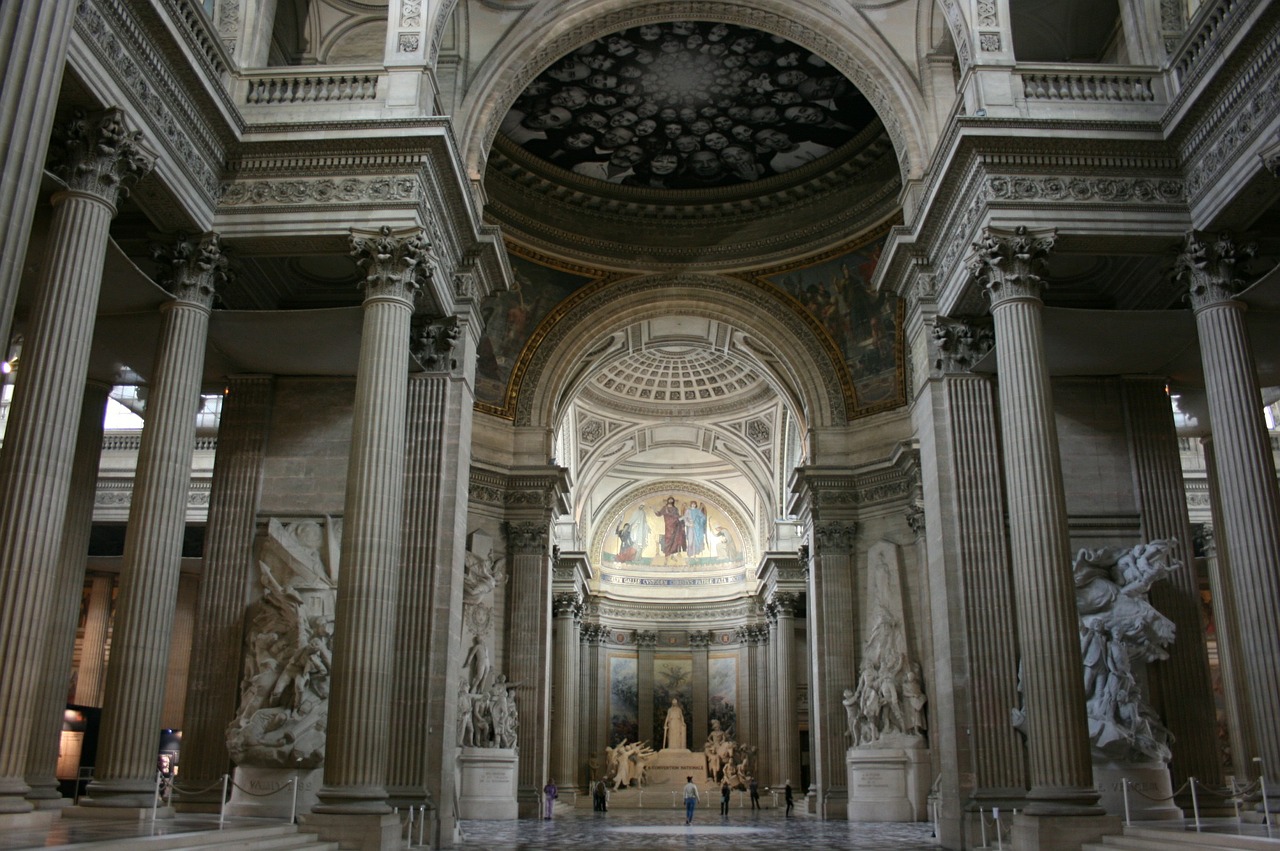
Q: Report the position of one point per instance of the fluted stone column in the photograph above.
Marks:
(776, 766)
(1061, 775)
(701, 709)
(355, 772)
(785, 605)
(91, 676)
(762, 689)
(528, 654)
(1230, 665)
(588, 701)
(967, 556)
(33, 51)
(133, 706)
(424, 714)
(835, 640)
(46, 732)
(646, 644)
(567, 609)
(225, 586)
(1181, 686)
(746, 710)
(1246, 479)
(35, 465)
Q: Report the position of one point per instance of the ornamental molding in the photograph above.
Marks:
(125, 47)
(1108, 190)
(397, 263)
(432, 341)
(674, 615)
(957, 344)
(526, 538)
(349, 190)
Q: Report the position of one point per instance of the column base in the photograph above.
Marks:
(119, 794)
(373, 832)
(50, 804)
(1061, 833)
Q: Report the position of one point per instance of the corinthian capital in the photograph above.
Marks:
(192, 268)
(1008, 263)
(527, 538)
(99, 155)
(432, 341)
(959, 343)
(1208, 268)
(396, 263)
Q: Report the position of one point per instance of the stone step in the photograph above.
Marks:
(276, 837)
(1148, 839)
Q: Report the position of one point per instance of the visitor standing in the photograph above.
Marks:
(691, 797)
(724, 798)
(552, 793)
(791, 802)
(755, 794)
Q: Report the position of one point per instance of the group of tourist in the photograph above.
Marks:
(686, 105)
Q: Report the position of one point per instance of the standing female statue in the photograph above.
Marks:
(674, 735)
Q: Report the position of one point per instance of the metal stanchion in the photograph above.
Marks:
(293, 807)
(1266, 806)
(1124, 784)
(422, 826)
(222, 804)
(1195, 803)
(155, 798)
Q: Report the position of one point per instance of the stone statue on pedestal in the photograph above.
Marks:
(674, 732)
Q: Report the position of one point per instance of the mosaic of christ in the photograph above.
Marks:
(677, 530)
(686, 105)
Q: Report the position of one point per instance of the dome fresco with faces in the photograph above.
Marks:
(686, 105)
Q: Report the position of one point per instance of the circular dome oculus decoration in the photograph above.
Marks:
(686, 105)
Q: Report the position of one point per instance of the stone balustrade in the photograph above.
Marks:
(293, 88)
(1094, 84)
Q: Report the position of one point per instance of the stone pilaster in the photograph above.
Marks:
(972, 602)
(429, 611)
(225, 585)
(1246, 480)
(785, 606)
(1181, 687)
(100, 155)
(1008, 265)
(33, 49)
(46, 732)
(701, 709)
(528, 653)
(1230, 666)
(133, 706)
(833, 628)
(396, 263)
(91, 676)
(646, 644)
(567, 609)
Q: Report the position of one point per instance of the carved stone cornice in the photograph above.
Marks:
(397, 263)
(431, 342)
(1208, 268)
(829, 494)
(1008, 263)
(957, 344)
(526, 538)
(192, 268)
(835, 538)
(566, 604)
(99, 156)
(646, 640)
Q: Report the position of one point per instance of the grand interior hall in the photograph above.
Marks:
(430, 422)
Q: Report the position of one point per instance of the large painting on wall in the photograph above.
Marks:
(673, 530)
(722, 674)
(835, 289)
(624, 700)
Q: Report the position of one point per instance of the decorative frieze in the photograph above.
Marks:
(1110, 190)
(350, 190)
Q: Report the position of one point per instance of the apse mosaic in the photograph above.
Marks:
(686, 105)
(674, 530)
(863, 324)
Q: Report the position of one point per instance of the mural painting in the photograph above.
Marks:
(672, 678)
(673, 530)
(511, 317)
(686, 105)
(863, 324)
(722, 674)
(624, 700)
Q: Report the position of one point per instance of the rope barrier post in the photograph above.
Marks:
(642, 797)
(1235, 800)
(1124, 785)
(422, 827)
(1195, 803)
(222, 803)
(155, 798)
(995, 811)
(982, 822)
(293, 807)
(1266, 805)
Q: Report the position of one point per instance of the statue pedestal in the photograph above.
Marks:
(1144, 780)
(888, 784)
(664, 781)
(487, 783)
(267, 792)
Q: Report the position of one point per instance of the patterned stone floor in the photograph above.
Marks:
(633, 830)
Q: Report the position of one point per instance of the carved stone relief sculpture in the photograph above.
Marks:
(1120, 632)
(886, 709)
(487, 714)
(284, 693)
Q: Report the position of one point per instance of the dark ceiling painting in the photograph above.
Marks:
(686, 105)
